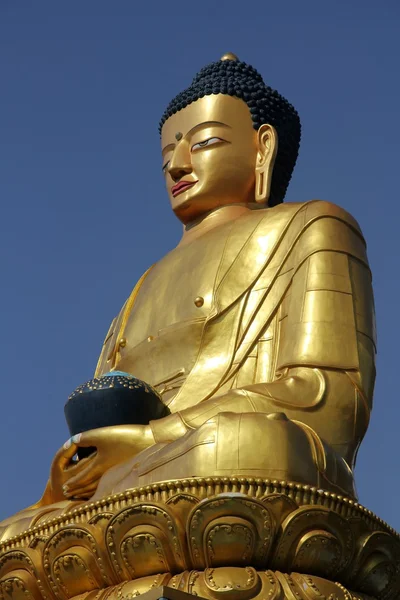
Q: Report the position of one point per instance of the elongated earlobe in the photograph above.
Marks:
(262, 187)
(267, 149)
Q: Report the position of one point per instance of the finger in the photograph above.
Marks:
(82, 497)
(91, 472)
(76, 469)
(84, 492)
(80, 439)
(82, 482)
(77, 466)
(88, 438)
(75, 439)
(82, 489)
(65, 454)
(78, 474)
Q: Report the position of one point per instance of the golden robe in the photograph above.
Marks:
(267, 316)
(271, 313)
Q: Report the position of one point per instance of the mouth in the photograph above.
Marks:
(181, 187)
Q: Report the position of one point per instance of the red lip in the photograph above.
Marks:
(180, 187)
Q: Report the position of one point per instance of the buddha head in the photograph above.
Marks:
(227, 139)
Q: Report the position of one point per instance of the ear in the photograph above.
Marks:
(267, 142)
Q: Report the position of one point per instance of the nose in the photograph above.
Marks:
(180, 164)
(178, 172)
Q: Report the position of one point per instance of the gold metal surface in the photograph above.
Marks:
(286, 326)
(240, 538)
(261, 323)
(229, 56)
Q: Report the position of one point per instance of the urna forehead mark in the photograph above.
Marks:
(178, 135)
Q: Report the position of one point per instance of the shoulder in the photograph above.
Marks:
(314, 214)
(313, 210)
(324, 226)
(301, 215)
(298, 219)
(317, 209)
(309, 227)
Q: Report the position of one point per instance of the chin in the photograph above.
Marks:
(188, 207)
(185, 213)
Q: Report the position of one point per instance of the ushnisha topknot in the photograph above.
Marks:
(236, 78)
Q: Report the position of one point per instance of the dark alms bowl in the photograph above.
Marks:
(116, 398)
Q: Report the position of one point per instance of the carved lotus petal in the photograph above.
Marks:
(230, 530)
(145, 539)
(18, 588)
(317, 551)
(310, 532)
(22, 576)
(377, 564)
(75, 561)
(232, 582)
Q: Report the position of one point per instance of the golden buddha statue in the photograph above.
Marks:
(257, 331)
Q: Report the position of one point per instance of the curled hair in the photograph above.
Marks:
(236, 78)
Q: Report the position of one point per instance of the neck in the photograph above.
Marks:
(215, 218)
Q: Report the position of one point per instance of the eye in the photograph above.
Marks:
(209, 142)
(164, 167)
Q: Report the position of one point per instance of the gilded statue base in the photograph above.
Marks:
(234, 538)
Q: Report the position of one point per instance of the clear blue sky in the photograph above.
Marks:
(83, 206)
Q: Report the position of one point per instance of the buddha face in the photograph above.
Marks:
(209, 156)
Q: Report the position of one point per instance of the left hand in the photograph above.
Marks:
(113, 445)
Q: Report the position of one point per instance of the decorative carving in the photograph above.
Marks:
(131, 589)
(144, 539)
(16, 588)
(235, 583)
(324, 549)
(76, 562)
(22, 575)
(230, 530)
(376, 568)
(229, 582)
(216, 538)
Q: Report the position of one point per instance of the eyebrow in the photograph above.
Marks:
(196, 128)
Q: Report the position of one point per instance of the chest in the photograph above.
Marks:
(179, 289)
